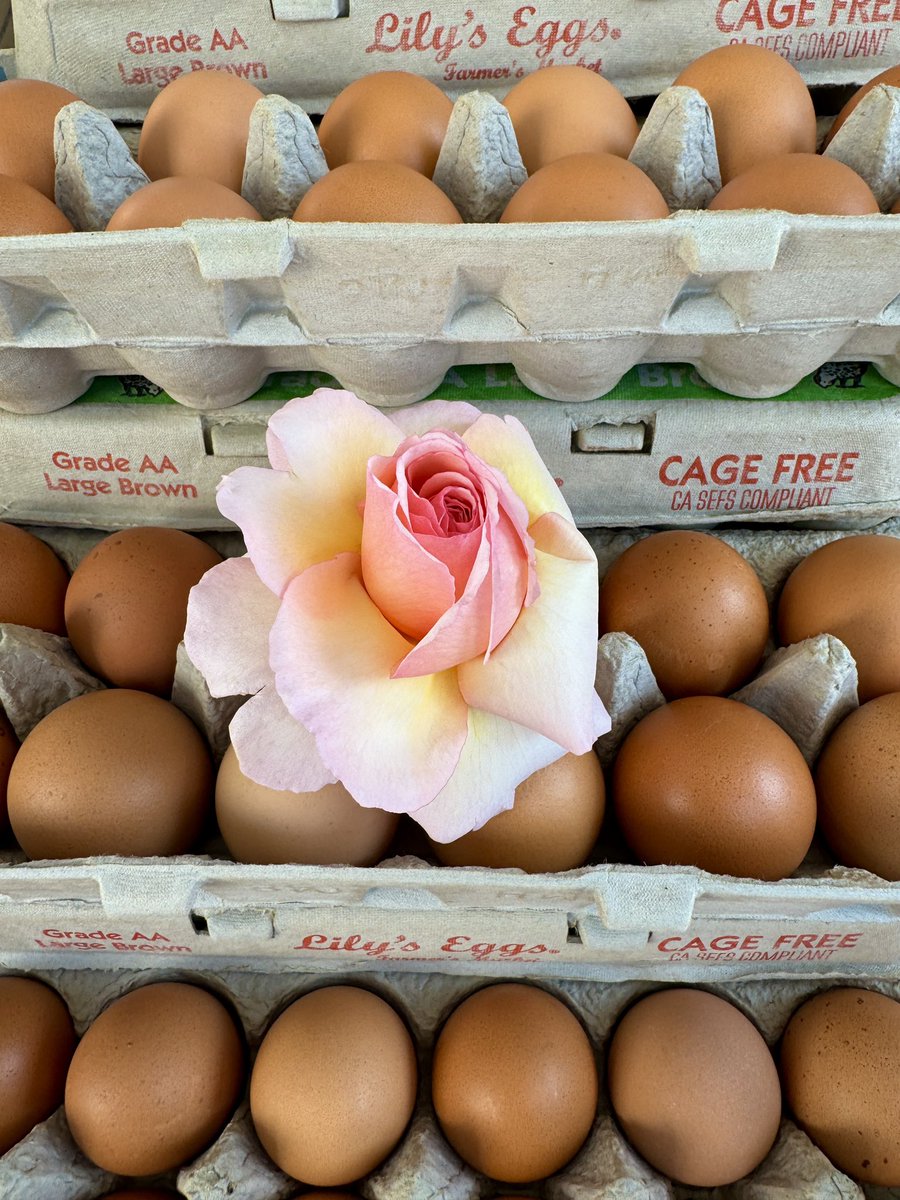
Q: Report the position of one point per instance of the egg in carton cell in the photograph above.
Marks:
(46, 1164)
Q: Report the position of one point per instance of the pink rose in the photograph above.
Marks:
(416, 615)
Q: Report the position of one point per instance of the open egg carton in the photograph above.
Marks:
(47, 1165)
(605, 920)
(755, 300)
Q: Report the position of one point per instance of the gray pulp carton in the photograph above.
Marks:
(47, 1164)
(661, 448)
(608, 921)
(754, 300)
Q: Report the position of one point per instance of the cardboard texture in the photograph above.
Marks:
(612, 920)
(754, 300)
(46, 1165)
(661, 448)
(308, 50)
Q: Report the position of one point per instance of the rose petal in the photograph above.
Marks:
(229, 615)
(273, 748)
(393, 743)
(506, 444)
(410, 586)
(455, 415)
(542, 674)
(497, 756)
(327, 439)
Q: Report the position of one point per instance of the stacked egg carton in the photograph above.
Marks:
(47, 1164)
(754, 300)
(609, 921)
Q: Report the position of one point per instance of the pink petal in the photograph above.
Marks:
(542, 675)
(409, 585)
(461, 633)
(497, 756)
(327, 438)
(274, 749)
(506, 444)
(230, 613)
(393, 743)
(285, 528)
(455, 415)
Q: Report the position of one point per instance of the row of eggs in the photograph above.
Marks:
(515, 1081)
(703, 780)
(382, 136)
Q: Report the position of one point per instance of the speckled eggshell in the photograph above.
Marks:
(552, 825)
(378, 192)
(712, 783)
(891, 77)
(694, 1087)
(26, 212)
(696, 607)
(333, 1086)
(168, 203)
(840, 1066)
(9, 748)
(559, 111)
(760, 105)
(154, 1079)
(33, 582)
(799, 183)
(858, 785)
(28, 109)
(390, 116)
(262, 825)
(126, 604)
(37, 1040)
(587, 187)
(514, 1082)
(198, 125)
(849, 588)
(111, 772)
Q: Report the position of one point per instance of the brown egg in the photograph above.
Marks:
(849, 588)
(391, 116)
(514, 1082)
(168, 203)
(895, 208)
(33, 582)
(25, 212)
(198, 126)
(711, 783)
(552, 826)
(28, 111)
(112, 772)
(840, 1066)
(559, 111)
(155, 1079)
(9, 748)
(891, 77)
(759, 103)
(333, 1086)
(587, 187)
(37, 1040)
(858, 785)
(799, 183)
(694, 1087)
(376, 191)
(126, 604)
(696, 607)
(261, 825)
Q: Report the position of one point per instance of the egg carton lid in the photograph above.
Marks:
(308, 50)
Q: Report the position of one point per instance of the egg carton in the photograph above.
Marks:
(47, 1165)
(605, 921)
(754, 300)
(310, 49)
(662, 448)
